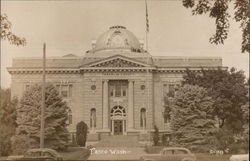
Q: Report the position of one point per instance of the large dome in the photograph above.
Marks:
(118, 37)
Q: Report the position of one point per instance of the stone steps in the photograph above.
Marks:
(119, 141)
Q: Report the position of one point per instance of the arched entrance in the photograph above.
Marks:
(118, 120)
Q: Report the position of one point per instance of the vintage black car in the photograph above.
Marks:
(38, 154)
(171, 154)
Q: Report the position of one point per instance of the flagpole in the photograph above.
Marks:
(43, 99)
(148, 79)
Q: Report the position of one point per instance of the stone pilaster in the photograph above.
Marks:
(105, 113)
(130, 105)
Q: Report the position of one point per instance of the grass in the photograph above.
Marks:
(209, 157)
(75, 153)
(200, 156)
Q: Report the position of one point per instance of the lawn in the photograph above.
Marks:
(75, 153)
(200, 156)
(209, 157)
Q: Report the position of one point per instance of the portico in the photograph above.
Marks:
(118, 92)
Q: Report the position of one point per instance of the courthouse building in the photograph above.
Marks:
(116, 87)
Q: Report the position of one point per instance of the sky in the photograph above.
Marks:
(69, 26)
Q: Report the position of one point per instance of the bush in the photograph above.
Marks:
(5, 142)
(81, 133)
(238, 148)
(7, 121)
(156, 137)
(153, 149)
(164, 138)
(223, 139)
(20, 144)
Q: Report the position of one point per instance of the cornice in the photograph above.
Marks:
(39, 71)
(81, 70)
(184, 69)
(117, 69)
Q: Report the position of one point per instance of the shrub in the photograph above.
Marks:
(81, 133)
(165, 141)
(235, 148)
(7, 121)
(153, 149)
(156, 137)
(20, 144)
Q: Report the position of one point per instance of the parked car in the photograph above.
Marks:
(38, 154)
(171, 154)
(239, 157)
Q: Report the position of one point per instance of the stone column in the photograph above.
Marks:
(105, 113)
(130, 105)
(112, 126)
(123, 127)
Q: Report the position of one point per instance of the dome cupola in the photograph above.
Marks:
(117, 37)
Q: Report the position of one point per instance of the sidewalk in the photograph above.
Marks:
(116, 153)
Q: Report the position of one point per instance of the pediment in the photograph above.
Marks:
(118, 62)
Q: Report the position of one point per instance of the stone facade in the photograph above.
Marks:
(117, 87)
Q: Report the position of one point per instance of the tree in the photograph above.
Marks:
(245, 109)
(219, 9)
(28, 117)
(192, 118)
(20, 143)
(81, 133)
(6, 33)
(7, 121)
(228, 90)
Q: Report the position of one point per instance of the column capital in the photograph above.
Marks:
(131, 80)
(105, 80)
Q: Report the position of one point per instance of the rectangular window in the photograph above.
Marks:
(70, 119)
(165, 90)
(64, 94)
(171, 90)
(118, 90)
(124, 93)
(27, 86)
(70, 90)
(58, 88)
(64, 90)
(112, 90)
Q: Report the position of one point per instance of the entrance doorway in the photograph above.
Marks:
(118, 120)
(118, 127)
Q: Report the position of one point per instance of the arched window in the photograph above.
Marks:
(143, 118)
(70, 116)
(92, 118)
(118, 111)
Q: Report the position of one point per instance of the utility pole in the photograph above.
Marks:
(43, 99)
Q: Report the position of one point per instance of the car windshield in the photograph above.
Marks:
(47, 154)
(174, 151)
(32, 154)
(180, 151)
(168, 152)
